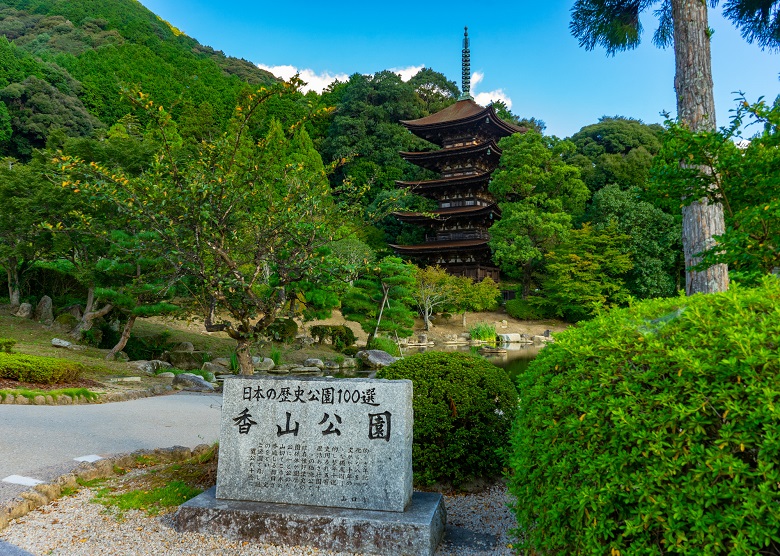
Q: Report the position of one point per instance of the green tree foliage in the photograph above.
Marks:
(615, 151)
(534, 165)
(463, 410)
(653, 430)
(381, 299)
(526, 232)
(364, 136)
(539, 194)
(653, 239)
(433, 289)
(745, 180)
(474, 296)
(244, 221)
(27, 199)
(585, 273)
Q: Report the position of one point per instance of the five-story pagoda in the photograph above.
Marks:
(457, 237)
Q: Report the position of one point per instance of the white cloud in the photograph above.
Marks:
(407, 73)
(314, 81)
(483, 99)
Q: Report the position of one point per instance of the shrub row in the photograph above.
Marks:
(39, 370)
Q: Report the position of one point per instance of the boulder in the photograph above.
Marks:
(74, 311)
(265, 364)
(349, 363)
(305, 341)
(512, 339)
(222, 362)
(540, 340)
(25, 311)
(311, 371)
(187, 360)
(167, 375)
(43, 312)
(332, 366)
(376, 358)
(121, 356)
(58, 343)
(66, 322)
(184, 346)
(313, 362)
(213, 368)
(192, 383)
(149, 367)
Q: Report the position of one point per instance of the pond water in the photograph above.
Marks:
(514, 361)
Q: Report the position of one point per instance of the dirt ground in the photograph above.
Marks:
(441, 328)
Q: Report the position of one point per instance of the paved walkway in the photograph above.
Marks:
(40, 442)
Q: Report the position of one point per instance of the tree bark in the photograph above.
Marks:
(244, 356)
(120, 345)
(14, 291)
(89, 315)
(696, 109)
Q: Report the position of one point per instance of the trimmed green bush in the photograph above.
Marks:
(654, 430)
(39, 370)
(463, 410)
(7, 345)
(385, 344)
(341, 336)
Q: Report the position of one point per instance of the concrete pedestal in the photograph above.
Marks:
(414, 532)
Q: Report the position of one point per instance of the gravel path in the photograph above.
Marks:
(477, 524)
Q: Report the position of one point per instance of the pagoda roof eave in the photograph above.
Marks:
(452, 152)
(455, 181)
(443, 246)
(441, 215)
(462, 112)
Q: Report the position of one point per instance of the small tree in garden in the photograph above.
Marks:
(475, 296)
(242, 220)
(433, 289)
(381, 300)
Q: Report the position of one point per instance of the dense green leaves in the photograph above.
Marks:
(744, 178)
(654, 430)
(463, 409)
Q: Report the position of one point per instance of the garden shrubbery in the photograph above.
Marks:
(384, 344)
(282, 330)
(463, 410)
(40, 370)
(655, 429)
(341, 336)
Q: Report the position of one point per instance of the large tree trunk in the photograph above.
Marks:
(696, 109)
(120, 345)
(12, 269)
(244, 356)
(89, 315)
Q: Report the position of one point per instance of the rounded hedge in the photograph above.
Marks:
(655, 429)
(463, 411)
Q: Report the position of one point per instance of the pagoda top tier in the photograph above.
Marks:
(465, 117)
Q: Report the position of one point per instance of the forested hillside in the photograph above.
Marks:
(65, 64)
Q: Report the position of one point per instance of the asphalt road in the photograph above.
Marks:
(41, 442)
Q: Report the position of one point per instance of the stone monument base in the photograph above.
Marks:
(415, 532)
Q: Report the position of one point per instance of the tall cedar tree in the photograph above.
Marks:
(616, 26)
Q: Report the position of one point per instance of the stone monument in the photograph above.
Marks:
(318, 461)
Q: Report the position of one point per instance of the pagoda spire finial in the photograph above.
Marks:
(466, 53)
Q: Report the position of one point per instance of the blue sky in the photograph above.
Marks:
(521, 52)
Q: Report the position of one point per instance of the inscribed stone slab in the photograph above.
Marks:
(317, 441)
